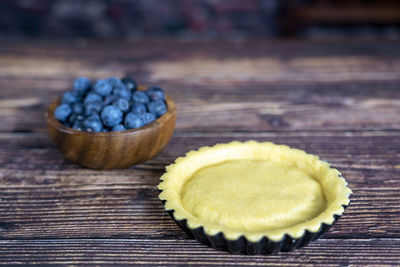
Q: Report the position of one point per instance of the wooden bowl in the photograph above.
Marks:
(112, 150)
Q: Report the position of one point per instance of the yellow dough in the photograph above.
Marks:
(253, 195)
(254, 190)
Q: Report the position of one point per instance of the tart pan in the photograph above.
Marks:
(221, 235)
(244, 246)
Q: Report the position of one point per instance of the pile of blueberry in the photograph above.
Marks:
(111, 104)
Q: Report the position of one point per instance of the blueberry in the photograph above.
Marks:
(133, 120)
(155, 93)
(92, 97)
(158, 108)
(102, 87)
(62, 112)
(93, 107)
(77, 108)
(78, 125)
(93, 116)
(140, 97)
(116, 82)
(80, 117)
(130, 84)
(93, 125)
(109, 99)
(82, 85)
(76, 121)
(119, 127)
(147, 118)
(117, 86)
(72, 118)
(69, 98)
(111, 116)
(138, 108)
(122, 92)
(122, 104)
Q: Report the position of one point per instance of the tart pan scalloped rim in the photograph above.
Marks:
(242, 244)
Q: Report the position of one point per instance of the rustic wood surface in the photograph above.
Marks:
(339, 100)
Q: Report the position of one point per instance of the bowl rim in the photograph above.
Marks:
(51, 120)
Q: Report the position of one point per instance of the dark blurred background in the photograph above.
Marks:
(198, 19)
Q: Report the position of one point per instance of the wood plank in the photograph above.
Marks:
(245, 107)
(216, 63)
(133, 211)
(348, 15)
(43, 196)
(243, 86)
(189, 252)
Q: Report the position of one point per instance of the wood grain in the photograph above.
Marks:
(338, 100)
(69, 200)
(264, 86)
(161, 252)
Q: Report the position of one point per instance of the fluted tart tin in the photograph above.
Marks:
(253, 197)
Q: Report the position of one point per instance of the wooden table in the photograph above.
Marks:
(339, 100)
